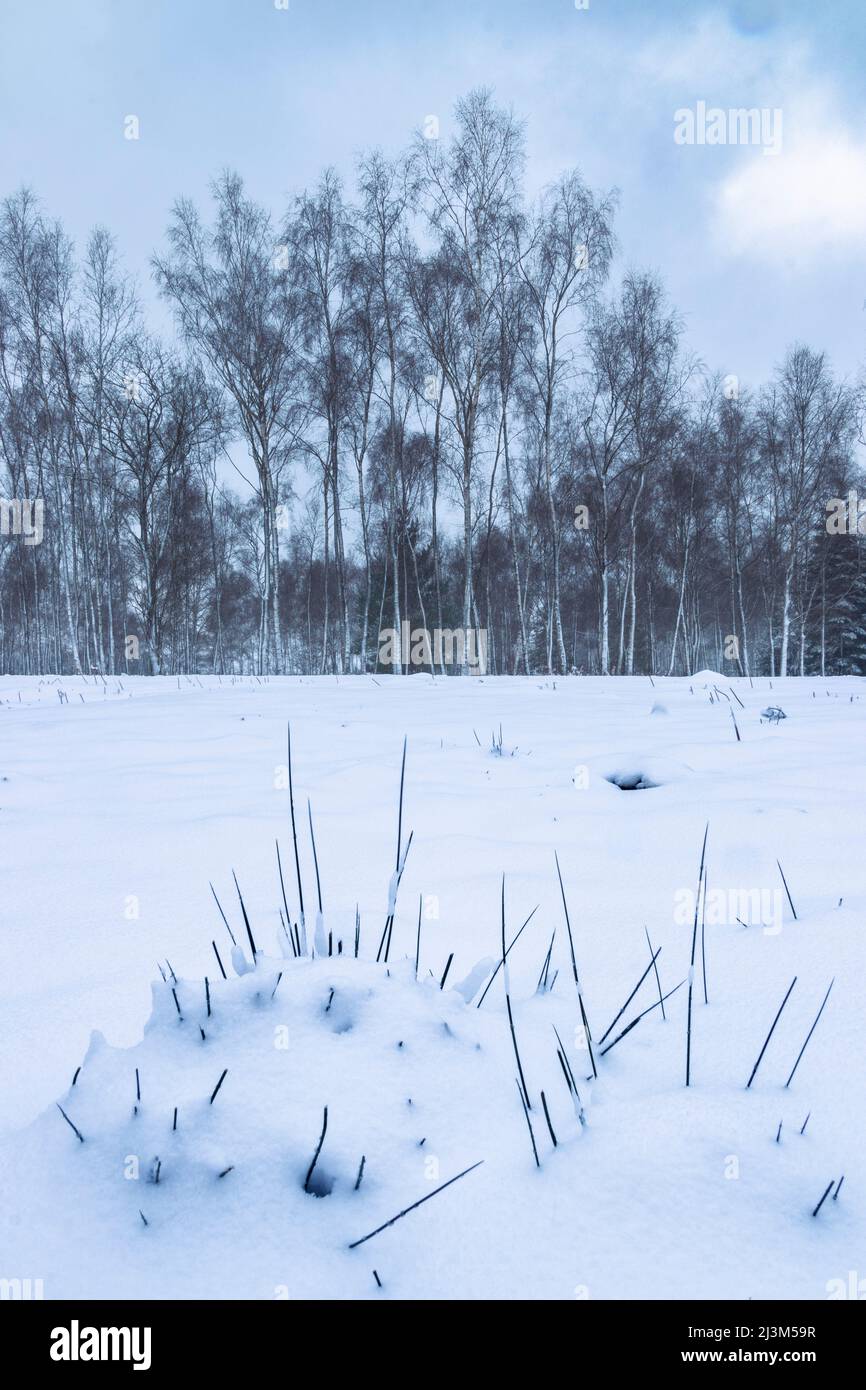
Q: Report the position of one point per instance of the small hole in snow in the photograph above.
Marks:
(631, 781)
(321, 1184)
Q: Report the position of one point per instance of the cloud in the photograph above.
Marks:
(709, 58)
(798, 207)
(795, 209)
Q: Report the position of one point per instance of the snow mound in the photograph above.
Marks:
(708, 678)
(216, 1121)
(335, 1128)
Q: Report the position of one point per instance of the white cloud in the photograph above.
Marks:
(800, 206)
(793, 209)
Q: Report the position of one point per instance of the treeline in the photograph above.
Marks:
(425, 402)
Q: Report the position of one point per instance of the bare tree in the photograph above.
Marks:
(808, 422)
(236, 301)
(471, 194)
(563, 267)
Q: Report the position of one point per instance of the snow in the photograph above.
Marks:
(121, 803)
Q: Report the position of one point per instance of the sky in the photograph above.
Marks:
(758, 249)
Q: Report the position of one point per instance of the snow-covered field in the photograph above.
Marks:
(120, 803)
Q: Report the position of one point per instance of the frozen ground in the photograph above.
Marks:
(118, 805)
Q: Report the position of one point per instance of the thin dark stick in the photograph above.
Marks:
(400, 864)
(838, 1187)
(827, 1192)
(656, 969)
(69, 1122)
(578, 1104)
(174, 1121)
(447, 968)
(508, 1006)
(507, 953)
(389, 921)
(295, 838)
(400, 809)
(564, 1071)
(545, 965)
(246, 918)
(549, 959)
(805, 1122)
(736, 697)
(315, 856)
(357, 930)
(360, 1172)
(636, 1021)
(703, 938)
(222, 914)
(565, 1055)
(406, 1210)
(808, 1035)
(378, 1280)
(137, 1086)
(283, 890)
(788, 891)
(692, 966)
(613, 1024)
(318, 1151)
(219, 962)
(583, 1017)
(528, 1122)
(207, 994)
(213, 1094)
(770, 1034)
(276, 986)
(547, 1118)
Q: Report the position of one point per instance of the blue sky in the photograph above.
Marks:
(757, 250)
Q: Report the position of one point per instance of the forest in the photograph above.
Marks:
(424, 399)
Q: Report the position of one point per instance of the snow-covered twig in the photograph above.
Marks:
(405, 1212)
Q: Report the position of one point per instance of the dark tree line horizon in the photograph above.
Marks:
(448, 413)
